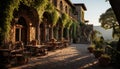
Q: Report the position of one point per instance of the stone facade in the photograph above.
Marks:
(80, 8)
(26, 25)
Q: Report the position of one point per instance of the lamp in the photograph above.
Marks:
(16, 20)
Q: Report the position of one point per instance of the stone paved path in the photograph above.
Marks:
(75, 56)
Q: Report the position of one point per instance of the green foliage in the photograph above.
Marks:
(55, 17)
(50, 7)
(68, 25)
(8, 6)
(64, 19)
(97, 39)
(40, 5)
(6, 9)
(105, 56)
(53, 14)
(74, 26)
(108, 20)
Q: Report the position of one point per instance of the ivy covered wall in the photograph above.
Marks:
(7, 8)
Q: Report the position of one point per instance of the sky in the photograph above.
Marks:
(94, 9)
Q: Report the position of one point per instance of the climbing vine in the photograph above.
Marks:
(74, 26)
(68, 25)
(54, 15)
(39, 5)
(7, 8)
(6, 14)
(65, 18)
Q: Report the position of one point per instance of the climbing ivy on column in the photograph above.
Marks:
(7, 8)
(6, 14)
(74, 26)
(54, 15)
(64, 19)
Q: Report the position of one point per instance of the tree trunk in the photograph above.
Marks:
(115, 6)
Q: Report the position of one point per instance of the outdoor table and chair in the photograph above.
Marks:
(12, 57)
(37, 49)
(54, 45)
(65, 43)
(15, 56)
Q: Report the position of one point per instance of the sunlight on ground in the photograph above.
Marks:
(80, 58)
(88, 65)
(59, 57)
(53, 57)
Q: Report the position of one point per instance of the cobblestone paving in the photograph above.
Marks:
(75, 56)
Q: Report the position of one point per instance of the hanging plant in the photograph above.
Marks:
(68, 25)
(55, 17)
(64, 19)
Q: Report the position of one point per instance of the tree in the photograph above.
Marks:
(97, 39)
(108, 20)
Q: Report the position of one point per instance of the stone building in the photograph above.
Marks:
(56, 20)
(83, 30)
(26, 25)
(80, 8)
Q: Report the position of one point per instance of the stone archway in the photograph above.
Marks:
(21, 29)
(25, 24)
(45, 27)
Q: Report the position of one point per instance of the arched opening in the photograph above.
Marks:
(26, 25)
(66, 9)
(45, 27)
(61, 5)
(21, 30)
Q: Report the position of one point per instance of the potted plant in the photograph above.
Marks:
(98, 52)
(104, 60)
(91, 48)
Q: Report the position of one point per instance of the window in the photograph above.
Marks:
(55, 2)
(66, 9)
(61, 5)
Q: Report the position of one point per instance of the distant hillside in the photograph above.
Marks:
(107, 34)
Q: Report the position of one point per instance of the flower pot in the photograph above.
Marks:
(90, 49)
(98, 53)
